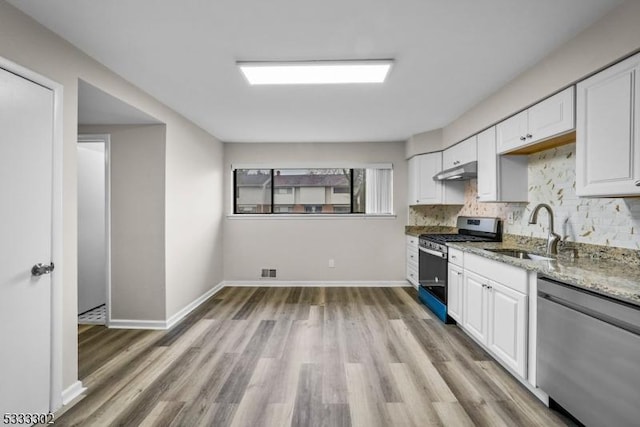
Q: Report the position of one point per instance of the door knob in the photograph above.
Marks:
(40, 269)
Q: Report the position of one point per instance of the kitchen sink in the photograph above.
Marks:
(517, 253)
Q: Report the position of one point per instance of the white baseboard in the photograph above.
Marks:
(71, 392)
(317, 283)
(137, 324)
(173, 320)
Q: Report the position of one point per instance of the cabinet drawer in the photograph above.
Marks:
(412, 256)
(412, 240)
(513, 277)
(456, 257)
(412, 275)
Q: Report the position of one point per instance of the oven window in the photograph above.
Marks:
(432, 275)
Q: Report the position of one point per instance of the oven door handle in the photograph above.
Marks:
(432, 252)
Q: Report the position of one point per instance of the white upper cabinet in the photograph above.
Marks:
(424, 190)
(500, 178)
(607, 132)
(459, 154)
(512, 132)
(487, 166)
(551, 117)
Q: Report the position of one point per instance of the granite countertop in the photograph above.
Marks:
(417, 230)
(604, 276)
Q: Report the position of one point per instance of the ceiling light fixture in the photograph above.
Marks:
(315, 72)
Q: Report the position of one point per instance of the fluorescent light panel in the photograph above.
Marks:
(315, 72)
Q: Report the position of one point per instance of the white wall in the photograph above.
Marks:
(300, 249)
(194, 212)
(614, 36)
(92, 271)
(137, 220)
(24, 41)
(425, 142)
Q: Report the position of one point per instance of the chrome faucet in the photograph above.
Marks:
(552, 238)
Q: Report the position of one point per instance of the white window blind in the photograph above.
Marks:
(379, 190)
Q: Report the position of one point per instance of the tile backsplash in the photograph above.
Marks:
(552, 180)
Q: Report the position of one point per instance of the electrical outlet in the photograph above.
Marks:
(510, 217)
(332, 263)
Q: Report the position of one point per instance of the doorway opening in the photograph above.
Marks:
(94, 230)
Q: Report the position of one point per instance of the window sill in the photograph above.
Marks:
(311, 216)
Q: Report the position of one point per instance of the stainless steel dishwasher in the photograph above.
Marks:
(589, 354)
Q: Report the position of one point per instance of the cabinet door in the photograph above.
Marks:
(428, 191)
(553, 116)
(454, 292)
(474, 305)
(608, 124)
(459, 154)
(412, 193)
(511, 133)
(507, 326)
(487, 166)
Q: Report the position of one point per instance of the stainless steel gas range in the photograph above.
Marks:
(433, 258)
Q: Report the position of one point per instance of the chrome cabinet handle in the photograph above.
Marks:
(522, 138)
(40, 269)
(529, 135)
(637, 183)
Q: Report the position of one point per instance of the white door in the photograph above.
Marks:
(26, 148)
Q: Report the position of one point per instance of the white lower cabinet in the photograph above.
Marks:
(495, 313)
(475, 305)
(507, 326)
(454, 292)
(412, 260)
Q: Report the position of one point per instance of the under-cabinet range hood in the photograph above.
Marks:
(459, 173)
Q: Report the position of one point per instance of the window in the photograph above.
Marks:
(253, 191)
(365, 190)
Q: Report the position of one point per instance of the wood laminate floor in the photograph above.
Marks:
(299, 357)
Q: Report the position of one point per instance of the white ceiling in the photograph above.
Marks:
(449, 56)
